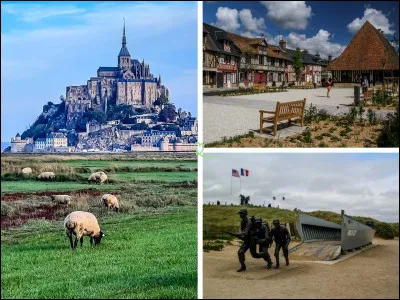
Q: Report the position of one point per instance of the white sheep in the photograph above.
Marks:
(80, 224)
(26, 171)
(110, 201)
(61, 199)
(100, 177)
(47, 176)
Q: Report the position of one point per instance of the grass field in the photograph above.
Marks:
(150, 248)
(143, 256)
(220, 218)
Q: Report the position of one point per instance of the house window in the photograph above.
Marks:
(225, 78)
(273, 61)
(260, 59)
(270, 77)
(279, 77)
(227, 59)
(221, 60)
(233, 77)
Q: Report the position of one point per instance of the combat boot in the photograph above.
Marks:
(241, 269)
(287, 260)
(269, 265)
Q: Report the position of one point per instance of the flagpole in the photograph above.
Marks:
(231, 184)
(240, 184)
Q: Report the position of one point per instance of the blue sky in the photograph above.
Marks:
(362, 184)
(323, 26)
(47, 46)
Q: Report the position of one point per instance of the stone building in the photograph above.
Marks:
(56, 140)
(20, 145)
(40, 144)
(130, 83)
(152, 137)
(368, 54)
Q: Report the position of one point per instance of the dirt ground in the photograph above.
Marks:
(373, 273)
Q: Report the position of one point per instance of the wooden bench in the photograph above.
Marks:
(283, 111)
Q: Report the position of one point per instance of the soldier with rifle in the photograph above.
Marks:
(263, 239)
(281, 236)
(248, 236)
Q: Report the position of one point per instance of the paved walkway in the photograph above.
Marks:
(237, 115)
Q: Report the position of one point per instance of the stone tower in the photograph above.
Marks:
(124, 58)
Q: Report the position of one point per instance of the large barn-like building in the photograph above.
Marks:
(368, 54)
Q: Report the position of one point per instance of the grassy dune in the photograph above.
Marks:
(146, 255)
(218, 219)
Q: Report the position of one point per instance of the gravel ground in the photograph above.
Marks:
(236, 115)
(373, 273)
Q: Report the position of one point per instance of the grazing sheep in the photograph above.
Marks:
(80, 224)
(61, 199)
(100, 177)
(110, 201)
(26, 171)
(47, 176)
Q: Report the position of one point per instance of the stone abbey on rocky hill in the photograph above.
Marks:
(130, 83)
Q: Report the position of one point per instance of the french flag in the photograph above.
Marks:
(244, 172)
(235, 173)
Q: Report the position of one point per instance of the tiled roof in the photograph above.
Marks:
(40, 140)
(107, 69)
(245, 44)
(217, 36)
(308, 59)
(274, 51)
(124, 52)
(366, 51)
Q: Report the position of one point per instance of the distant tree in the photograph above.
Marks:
(50, 103)
(218, 203)
(158, 127)
(189, 114)
(247, 200)
(168, 113)
(179, 112)
(62, 98)
(244, 200)
(297, 63)
(269, 205)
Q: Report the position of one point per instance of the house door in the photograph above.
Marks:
(220, 80)
(256, 78)
(228, 80)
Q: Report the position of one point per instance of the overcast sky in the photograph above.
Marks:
(46, 46)
(361, 184)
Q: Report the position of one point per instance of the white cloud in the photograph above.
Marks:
(375, 17)
(227, 19)
(327, 182)
(37, 12)
(251, 23)
(318, 43)
(288, 14)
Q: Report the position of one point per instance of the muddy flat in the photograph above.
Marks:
(373, 273)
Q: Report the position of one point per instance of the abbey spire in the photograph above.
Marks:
(124, 58)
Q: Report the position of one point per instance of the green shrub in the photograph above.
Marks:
(389, 136)
(384, 231)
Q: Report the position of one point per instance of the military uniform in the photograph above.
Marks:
(281, 236)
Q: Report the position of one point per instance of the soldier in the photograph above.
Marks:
(262, 237)
(281, 236)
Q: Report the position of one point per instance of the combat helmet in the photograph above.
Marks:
(276, 221)
(243, 211)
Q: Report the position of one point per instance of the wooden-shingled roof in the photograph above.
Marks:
(367, 51)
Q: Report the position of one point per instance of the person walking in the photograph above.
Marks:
(329, 86)
(365, 84)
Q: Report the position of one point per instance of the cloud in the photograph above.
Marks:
(375, 17)
(36, 12)
(251, 23)
(308, 181)
(318, 43)
(288, 14)
(227, 19)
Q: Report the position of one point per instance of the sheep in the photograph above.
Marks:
(27, 171)
(46, 176)
(80, 224)
(100, 177)
(110, 201)
(61, 199)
